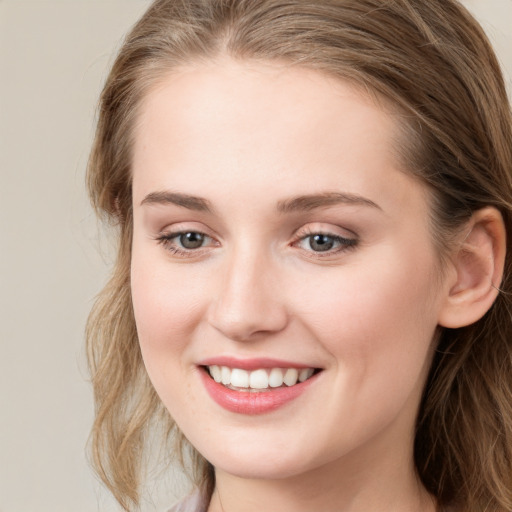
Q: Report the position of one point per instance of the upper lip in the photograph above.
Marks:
(252, 364)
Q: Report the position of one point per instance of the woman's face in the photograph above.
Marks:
(275, 237)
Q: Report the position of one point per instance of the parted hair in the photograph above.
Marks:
(429, 60)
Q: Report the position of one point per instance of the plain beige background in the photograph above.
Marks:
(54, 55)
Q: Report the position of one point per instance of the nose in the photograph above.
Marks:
(249, 302)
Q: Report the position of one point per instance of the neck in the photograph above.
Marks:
(307, 493)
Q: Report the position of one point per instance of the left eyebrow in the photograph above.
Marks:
(313, 201)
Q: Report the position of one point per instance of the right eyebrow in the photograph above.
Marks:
(184, 200)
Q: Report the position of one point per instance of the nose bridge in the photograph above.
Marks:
(248, 301)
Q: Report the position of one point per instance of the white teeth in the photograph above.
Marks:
(259, 379)
(239, 378)
(275, 379)
(216, 373)
(225, 373)
(290, 377)
(305, 373)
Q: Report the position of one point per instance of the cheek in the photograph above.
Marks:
(377, 314)
(167, 311)
(166, 305)
(377, 323)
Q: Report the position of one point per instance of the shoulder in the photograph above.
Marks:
(192, 503)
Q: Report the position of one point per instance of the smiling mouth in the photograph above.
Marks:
(263, 379)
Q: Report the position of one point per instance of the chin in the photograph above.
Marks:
(259, 469)
(257, 461)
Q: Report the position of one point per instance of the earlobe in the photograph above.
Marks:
(478, 265)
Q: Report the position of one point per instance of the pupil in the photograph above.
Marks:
(321, 243)
(191, 240)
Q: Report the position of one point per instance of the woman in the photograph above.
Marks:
(312, 291)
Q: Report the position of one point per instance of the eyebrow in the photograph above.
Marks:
(299, 203)
(186, 201)
(314, 201)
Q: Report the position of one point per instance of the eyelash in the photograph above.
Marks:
(168, 241)
(344, 244)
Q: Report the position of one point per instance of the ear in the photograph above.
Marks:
(478, 270)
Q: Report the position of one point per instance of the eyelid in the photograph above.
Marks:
(314, 228)
(345, 242)
(321, 229)
(167, 238)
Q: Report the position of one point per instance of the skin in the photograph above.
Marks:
(245, 137)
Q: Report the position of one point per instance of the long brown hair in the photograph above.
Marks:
(430, 60)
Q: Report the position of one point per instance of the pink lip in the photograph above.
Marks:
(253, 402)
(251, 364)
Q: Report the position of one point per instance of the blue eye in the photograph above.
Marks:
(184, 243)
(321, 243)
(191, 240)
(325, 243)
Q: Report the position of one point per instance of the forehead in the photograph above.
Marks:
(231, 94)
(254, 123)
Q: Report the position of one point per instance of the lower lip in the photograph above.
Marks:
(252, 402)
